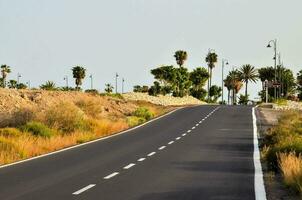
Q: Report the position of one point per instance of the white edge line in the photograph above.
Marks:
(260, 193)
(90, 142)
(111, 175)
(129, 166)
(83, 189)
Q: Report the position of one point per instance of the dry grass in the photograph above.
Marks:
(291, 167)
(69, 123)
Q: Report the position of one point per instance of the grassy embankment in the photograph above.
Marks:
(35, 131)
(282, 149)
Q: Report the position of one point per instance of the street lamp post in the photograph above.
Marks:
(123, 81)
(28, 84)
(224, 61)
(274, 42)
(116, 76)
(18, 78)
(91, 81)
(66, 79)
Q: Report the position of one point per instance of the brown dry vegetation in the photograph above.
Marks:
(37, 122)
(282, 149)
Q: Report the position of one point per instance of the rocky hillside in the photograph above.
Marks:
(14, 101)
(163, 100)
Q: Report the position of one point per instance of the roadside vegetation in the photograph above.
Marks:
(38, 130)
(282, 149)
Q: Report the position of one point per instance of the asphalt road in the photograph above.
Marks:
(185, 155)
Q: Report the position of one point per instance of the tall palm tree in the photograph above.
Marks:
(180, 56)
(211, 59)
(5, 69)
(248, 73)
(228, 85)
(233, 81)
(79, 74)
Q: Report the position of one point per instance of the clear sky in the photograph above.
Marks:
(44, 39)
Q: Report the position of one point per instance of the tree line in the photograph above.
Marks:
(179, 81)
(78, 72)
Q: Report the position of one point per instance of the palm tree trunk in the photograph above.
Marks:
(246, 88)
(228, 97)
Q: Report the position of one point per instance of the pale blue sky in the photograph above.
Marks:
(43, 39)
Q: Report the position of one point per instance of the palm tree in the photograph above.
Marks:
(211, 59)
(248, 73)
(12, 84)
(5, 69)
(233, 81)
(180, 56)
(228, 85)
(108, 88)
(79, 74)
(49, 85)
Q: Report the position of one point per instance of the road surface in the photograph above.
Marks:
(203, 152)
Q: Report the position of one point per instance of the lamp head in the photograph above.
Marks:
(227, 63)
(269, 46)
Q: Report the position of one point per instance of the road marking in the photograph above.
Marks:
(197, 125)
(151, 154)
(129, 166)
(193, 127)
(200, 121)
(189, 131)
(177, 138)
(93, 141)
(111, 175)
(258, 182)
(141, 159)
(184, 134)
(83, 189)
(171, 142)
(161, 148)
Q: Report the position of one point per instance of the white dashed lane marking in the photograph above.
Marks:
(129, 166)
(83, 189)
(151, 154)
(171, 142)
(111, 175)
(161, 148)
(142, 159)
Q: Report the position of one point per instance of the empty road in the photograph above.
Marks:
(195, 153)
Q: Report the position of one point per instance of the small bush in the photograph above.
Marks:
(291, 168)
(92, 91)
(10, 132)
(21, 116)
(143, 112)
(38, 129)
(134, 121)
(90, 106)
(66, 117)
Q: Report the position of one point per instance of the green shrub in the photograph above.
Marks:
(134, 121)
(285, 137)
(10, 132)
(66, 117)
(143, 112)
(37, 129)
